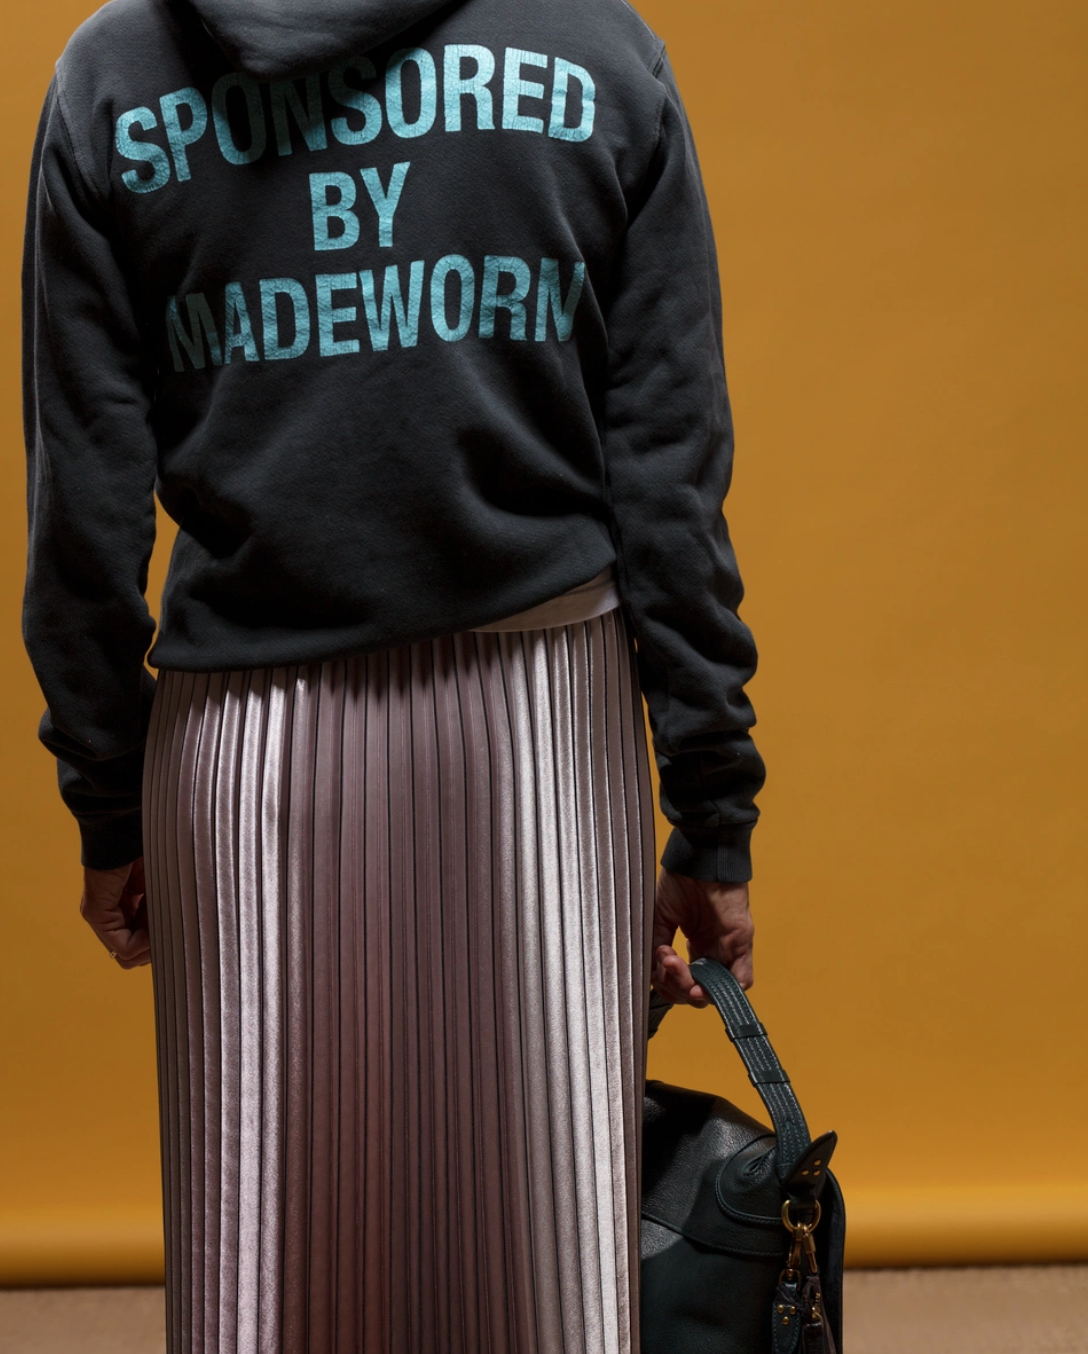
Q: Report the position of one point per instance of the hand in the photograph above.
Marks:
(717, 924)
(115, 907)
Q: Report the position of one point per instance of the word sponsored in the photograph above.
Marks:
(247, 119)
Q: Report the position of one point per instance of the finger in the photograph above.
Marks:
(129, 964)
(671, 992)
(735, 952)
(133, 957)
(137, 953)
(664, 928)
(113, 923)
(102, 912)
(131, 904)
(128, 948)
(114, 906)
(742, 969)
(665, 979)
(673, 979)
(661, 970)
(104, 890)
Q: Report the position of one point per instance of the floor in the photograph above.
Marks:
(1036, 1310)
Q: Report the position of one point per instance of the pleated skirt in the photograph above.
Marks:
(400, 910)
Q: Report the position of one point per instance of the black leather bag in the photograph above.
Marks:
(742, 1228)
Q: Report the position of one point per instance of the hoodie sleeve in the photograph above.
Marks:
(90, 493)
(669, 454)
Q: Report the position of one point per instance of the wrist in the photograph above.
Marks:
(713, 857)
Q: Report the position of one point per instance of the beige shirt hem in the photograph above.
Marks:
(583, 603)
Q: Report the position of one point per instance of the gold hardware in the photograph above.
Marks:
(802, 1240)
(796, 1227)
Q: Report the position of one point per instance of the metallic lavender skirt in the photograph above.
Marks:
(400, 914)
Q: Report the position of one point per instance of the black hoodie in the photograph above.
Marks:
(410, 313)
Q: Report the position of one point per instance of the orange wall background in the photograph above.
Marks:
(900, 193)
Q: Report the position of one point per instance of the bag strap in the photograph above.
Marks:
(764, 1070)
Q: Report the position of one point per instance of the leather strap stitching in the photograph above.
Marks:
(764, 1070)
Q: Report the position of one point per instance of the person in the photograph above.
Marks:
(409, 312)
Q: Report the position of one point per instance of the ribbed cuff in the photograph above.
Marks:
(114, 842)
(710, 856)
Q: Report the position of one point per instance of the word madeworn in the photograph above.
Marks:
(352, 104)
(294, 319)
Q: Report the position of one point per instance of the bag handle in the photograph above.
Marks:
(764, 1070)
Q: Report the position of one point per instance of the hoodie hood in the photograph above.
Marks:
(275, 39)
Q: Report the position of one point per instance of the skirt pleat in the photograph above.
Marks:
(400, 912)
